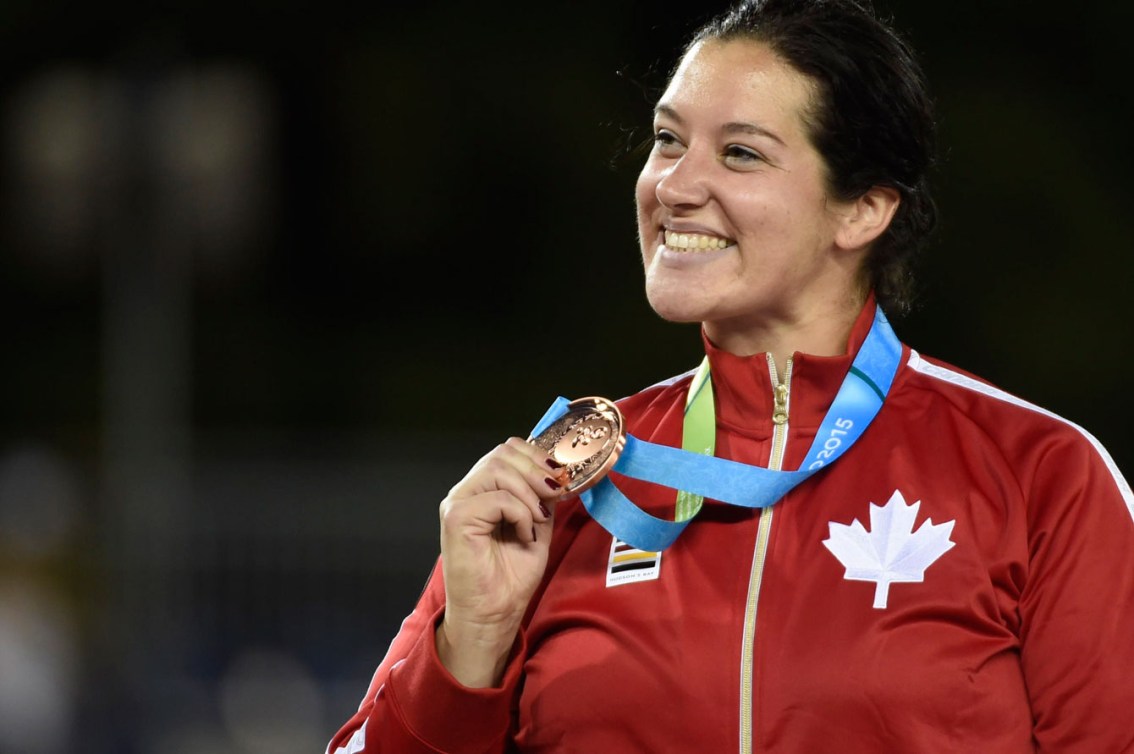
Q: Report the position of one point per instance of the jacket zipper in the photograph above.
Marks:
(780, 396)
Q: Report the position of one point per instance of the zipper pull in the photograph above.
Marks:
(779, 413)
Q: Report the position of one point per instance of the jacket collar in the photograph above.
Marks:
(743, 388)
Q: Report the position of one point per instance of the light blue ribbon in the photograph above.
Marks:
(858, 401)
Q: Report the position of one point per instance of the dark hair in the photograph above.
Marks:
(872, 121)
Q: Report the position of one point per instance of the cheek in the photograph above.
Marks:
(754, 214)
(645, 192)
(771, 216)
(645, 204)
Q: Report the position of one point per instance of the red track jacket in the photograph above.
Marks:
(1011, 629)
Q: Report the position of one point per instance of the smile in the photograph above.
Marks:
(695, 241)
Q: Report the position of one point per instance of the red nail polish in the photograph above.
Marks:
(551, 462)
(543, 509)
(552, 483)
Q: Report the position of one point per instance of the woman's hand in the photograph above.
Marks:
(495, 531)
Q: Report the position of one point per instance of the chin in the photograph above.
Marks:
(674, 311)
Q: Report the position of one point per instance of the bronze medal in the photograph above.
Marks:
(586, 440)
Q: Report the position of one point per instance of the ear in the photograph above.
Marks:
(867, 217)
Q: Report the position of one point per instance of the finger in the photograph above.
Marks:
(537, 464)
(495, 473)
(522, 522)
(506, 464)
(514, 476)
(487, 511)
(507, 468)
(523, 456)
(556, 481)
(538, 455)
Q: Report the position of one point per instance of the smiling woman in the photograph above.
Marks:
(734, 163)
(781, 206)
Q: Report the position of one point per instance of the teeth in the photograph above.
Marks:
(695, 241)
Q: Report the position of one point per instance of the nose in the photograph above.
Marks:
(684, 183)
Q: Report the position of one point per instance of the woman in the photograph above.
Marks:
(962, 579)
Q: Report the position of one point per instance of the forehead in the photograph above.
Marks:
(741, 80)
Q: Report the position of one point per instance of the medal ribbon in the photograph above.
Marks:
(698, 435)
(699, 475)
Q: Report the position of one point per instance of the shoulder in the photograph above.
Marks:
(996, 410)
(663, 392)
(981, 399)
(660, 403)
(1015, 426)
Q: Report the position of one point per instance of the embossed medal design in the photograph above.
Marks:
(586, 440)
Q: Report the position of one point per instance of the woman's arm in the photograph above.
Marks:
(1077, 608)
(448, 681)
(415, 705)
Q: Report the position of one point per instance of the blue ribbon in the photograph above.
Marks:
(858, 401)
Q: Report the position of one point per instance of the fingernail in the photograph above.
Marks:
(543, 509)
(552, 483)
(554, 464)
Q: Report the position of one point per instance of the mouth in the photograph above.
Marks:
(694, 242)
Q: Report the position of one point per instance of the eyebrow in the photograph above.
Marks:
(733, 127)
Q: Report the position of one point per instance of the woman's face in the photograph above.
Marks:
(734, 219)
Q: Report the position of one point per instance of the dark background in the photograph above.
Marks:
(274, 274)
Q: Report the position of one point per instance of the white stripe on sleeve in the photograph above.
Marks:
(960, 380)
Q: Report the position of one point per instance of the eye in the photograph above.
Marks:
(737, 154)
(666, 142)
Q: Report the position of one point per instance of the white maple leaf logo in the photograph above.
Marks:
(891, 552)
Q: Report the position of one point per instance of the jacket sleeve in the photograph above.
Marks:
(414, 705)
(1077, 605)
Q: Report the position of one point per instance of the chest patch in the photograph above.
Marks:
(891, 552)
(628, 564)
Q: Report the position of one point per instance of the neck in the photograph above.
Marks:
(819, 332)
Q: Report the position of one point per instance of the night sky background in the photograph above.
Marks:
(275, 274)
